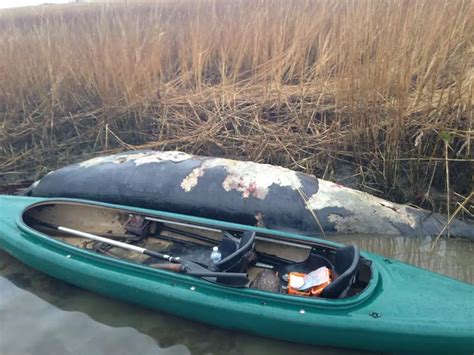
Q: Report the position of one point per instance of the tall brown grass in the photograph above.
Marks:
(371, 90)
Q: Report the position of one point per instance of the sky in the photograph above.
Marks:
(18, 3)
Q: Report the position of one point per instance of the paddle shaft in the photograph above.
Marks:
(204, 273)
(118, 244)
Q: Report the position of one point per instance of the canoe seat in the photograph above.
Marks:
(235, 252)
(344, 274)
(313, 262)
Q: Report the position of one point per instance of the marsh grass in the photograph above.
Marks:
(369, 88)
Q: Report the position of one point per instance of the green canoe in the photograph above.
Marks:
(372, 302)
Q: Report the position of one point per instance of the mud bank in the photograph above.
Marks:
(239, 191)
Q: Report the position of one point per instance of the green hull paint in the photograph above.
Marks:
(420, 311)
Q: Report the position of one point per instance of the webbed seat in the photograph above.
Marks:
(344, 273)
(235, 252)
(314, 261)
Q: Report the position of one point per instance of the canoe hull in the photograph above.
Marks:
(345, 323)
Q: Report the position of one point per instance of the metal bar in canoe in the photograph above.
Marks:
(199, 270)
(197, 226)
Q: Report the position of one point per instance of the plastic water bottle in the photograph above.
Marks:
(216, 255)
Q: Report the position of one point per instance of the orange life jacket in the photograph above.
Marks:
(313, 291)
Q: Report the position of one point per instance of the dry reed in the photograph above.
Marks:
(360, 91)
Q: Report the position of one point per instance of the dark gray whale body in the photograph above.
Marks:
(238, 191)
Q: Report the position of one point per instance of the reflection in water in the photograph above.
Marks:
(42, 315)
(32, 326)
(451, 257)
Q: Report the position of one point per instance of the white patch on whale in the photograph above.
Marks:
(367, 213)
(192, 179)
(248, 178)
(139, 158)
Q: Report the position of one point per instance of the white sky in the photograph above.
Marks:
(18, 3)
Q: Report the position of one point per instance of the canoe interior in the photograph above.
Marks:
(187, 242)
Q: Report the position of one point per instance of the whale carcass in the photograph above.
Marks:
(239, 191)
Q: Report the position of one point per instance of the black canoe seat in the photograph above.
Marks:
(344, 273)
(313, 262)
(234, 252)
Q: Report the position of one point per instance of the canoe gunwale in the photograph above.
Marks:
(160, 276)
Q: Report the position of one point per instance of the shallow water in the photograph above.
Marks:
(453, 257)
(41, 315)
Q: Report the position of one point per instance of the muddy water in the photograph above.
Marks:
(453, 257)
(41, 315)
